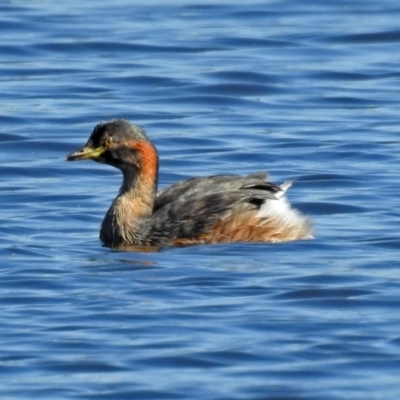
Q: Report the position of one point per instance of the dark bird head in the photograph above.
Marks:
(117, 143)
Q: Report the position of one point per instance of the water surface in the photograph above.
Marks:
(307, 91)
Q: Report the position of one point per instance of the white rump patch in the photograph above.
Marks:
(280, 209)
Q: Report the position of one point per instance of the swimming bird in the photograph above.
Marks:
(213, 209)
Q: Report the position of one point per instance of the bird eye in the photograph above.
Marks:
(108, 141)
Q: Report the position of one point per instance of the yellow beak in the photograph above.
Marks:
(85, 153)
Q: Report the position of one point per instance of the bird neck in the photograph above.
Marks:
(134, 202)
(138, 189)
(139, 185)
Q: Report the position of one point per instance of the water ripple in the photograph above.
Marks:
(293, 88)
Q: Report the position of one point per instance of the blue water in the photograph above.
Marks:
(305, 90)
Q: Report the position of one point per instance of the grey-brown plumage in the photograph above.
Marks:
(215, 209)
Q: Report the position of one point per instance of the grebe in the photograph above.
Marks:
(214, 209)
